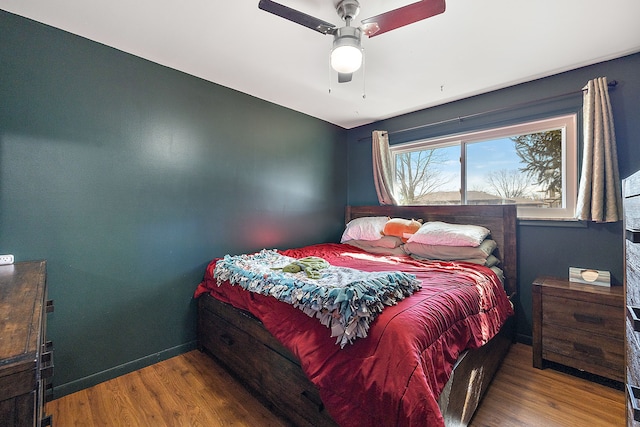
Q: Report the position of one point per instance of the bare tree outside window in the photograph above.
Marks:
(509, 183)
(418, 173)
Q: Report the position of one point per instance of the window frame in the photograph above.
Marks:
(570, 166)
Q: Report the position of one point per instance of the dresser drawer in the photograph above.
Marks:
(594, 353)
(632, 212)
(633, 363)
(632, 255)
(582, 316)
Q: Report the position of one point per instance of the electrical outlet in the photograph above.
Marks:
(6, 259)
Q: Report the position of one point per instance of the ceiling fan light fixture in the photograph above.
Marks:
(346, 59)
(346, 55)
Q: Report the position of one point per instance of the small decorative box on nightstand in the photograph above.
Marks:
(579, 325)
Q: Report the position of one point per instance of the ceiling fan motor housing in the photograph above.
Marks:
(348, 9)
(347, 36)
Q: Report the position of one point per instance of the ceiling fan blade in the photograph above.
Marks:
(297, 17)
(344, 77)
(402, 16)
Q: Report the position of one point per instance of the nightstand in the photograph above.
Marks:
(579, 325)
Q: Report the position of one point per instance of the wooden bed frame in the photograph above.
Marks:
(244, 347)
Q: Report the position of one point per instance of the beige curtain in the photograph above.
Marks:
(382, 167)
(599, 195)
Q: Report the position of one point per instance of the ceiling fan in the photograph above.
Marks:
(346, 54)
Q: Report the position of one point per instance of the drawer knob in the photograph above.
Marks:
(633, 235)
(48, 392)
(227, 339)
(585, 318)
(587, 349)
(46, 365)
(633, 314)
(633, 394)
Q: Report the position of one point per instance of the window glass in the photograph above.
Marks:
(532, 165)
(429, 176)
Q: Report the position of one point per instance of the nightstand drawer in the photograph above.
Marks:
(583, 316)
(582, 346)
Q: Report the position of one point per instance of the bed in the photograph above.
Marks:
(288, 359)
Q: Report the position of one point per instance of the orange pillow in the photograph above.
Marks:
(402, 228)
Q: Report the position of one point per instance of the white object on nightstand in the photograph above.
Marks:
(6, 259)
(589, 276)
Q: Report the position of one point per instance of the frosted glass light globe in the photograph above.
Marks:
(346, 59)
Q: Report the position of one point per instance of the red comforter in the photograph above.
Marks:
(394, 376)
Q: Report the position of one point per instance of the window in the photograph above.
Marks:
(532, 165)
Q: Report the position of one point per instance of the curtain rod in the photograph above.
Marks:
(611, 84)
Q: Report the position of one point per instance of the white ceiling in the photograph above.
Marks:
(475, 46)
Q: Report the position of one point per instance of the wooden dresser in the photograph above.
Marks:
(579, 325)
(26, 359)
(631, 201)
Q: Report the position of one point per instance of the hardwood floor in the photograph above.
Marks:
(192, 390)
(521, 395)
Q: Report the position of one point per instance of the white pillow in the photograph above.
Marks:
(445, 234)
(365, 228)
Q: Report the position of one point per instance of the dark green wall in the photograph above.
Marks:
(543, 247)
(128, 177)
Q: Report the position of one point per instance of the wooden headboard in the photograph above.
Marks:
(500, 219)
